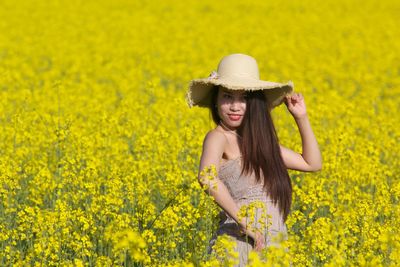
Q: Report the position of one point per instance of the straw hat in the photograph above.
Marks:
(236, 72)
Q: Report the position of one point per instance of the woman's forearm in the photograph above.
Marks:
(224, 199)
(311, 152)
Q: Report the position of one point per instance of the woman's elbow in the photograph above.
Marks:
(201, 182)
(207, 184)
(316, 168)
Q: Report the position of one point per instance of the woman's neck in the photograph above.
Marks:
(226, 128)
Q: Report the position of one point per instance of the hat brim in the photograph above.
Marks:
(199, 89)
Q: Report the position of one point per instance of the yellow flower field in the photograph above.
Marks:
(99, 151)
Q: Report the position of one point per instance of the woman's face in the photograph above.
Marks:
(231, 106)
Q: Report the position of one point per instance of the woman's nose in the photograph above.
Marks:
(235, 105)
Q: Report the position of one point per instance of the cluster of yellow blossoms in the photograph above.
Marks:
(99, 152)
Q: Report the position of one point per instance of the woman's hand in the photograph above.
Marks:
(296, 105)
(259, 242)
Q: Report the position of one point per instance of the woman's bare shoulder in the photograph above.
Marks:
(215, 136)
(213, 148)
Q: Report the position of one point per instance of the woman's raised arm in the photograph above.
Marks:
(310, 159)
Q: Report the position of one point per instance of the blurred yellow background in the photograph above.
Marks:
(99, 152)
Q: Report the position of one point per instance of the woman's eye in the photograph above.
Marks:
(227, 96)
(243, 98)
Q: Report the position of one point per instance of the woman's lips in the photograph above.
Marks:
(233, 117)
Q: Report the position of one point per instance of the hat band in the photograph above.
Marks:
(215, 75)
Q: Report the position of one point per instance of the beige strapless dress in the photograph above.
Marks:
(244, 191)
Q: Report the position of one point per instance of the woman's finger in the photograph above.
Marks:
(260, 243)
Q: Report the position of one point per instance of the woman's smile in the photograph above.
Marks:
(234, 117)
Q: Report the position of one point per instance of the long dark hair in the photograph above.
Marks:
(260, 148)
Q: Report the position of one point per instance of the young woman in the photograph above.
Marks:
(251, 165)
